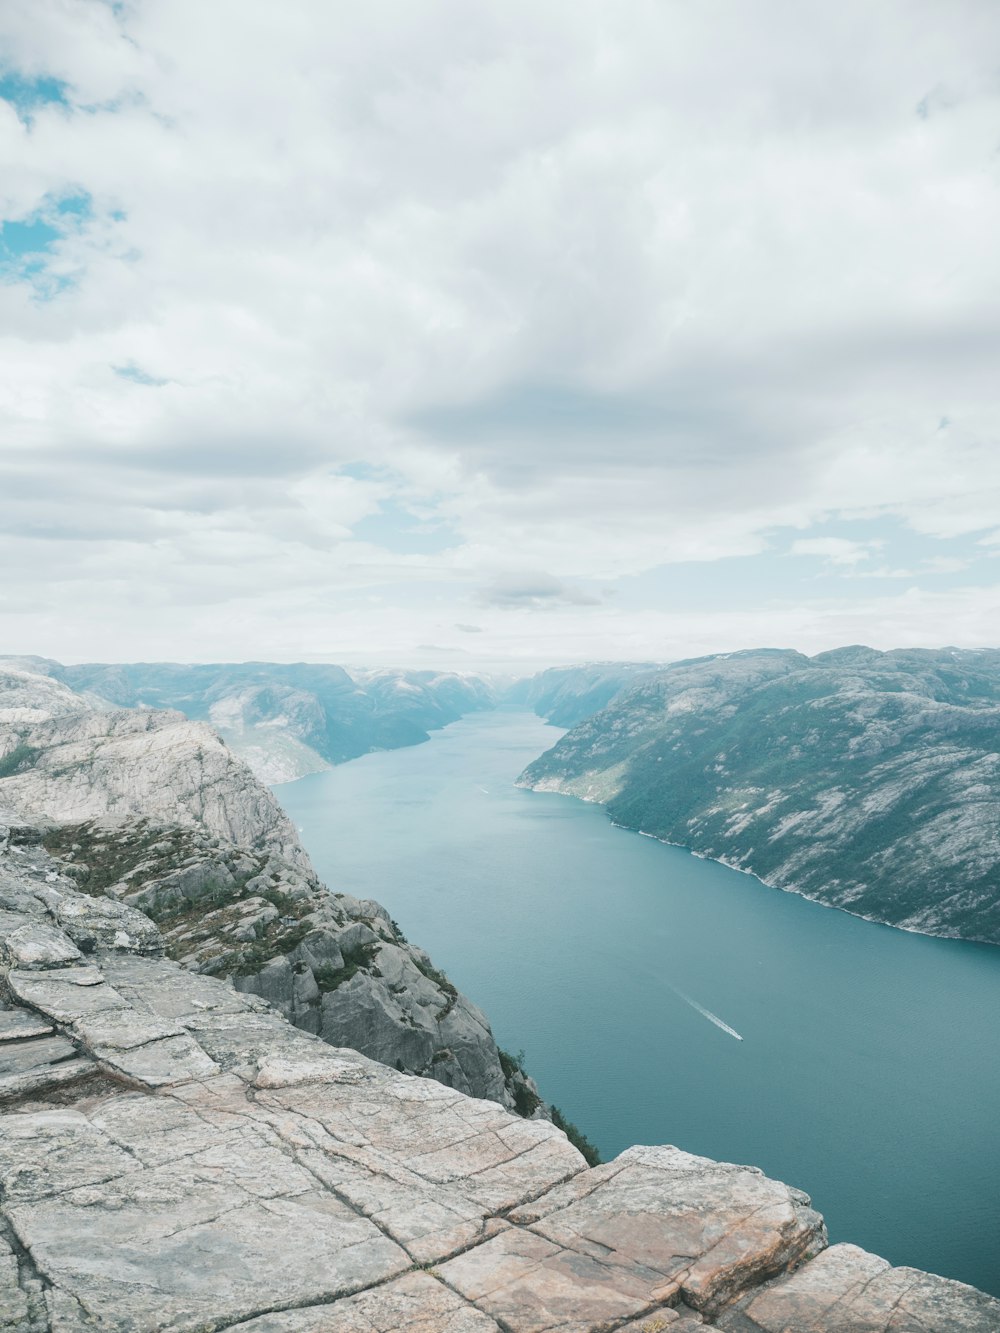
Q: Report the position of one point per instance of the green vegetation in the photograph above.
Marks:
(441, 981)
(511, 1064)
(578, 1139)
(527, 1102)
(20, 760)
(358, 959)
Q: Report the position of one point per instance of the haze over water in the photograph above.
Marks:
(867, 1071)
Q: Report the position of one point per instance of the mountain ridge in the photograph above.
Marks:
(863, 780)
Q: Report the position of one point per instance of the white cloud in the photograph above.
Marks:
(836, 550)
(601, 288)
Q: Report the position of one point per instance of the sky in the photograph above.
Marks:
(500, 335)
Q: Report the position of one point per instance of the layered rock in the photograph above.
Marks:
(868, 781)
(175, 1155)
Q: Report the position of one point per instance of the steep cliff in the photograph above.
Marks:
(174, 1155)
(153, 811)
(869, 781)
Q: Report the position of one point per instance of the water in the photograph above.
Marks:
(661, 998)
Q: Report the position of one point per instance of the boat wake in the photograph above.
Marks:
(706, 1013)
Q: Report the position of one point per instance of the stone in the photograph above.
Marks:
(847, 1288)
(102, 923)
(414, 1303)
(38, 946)
(19, 1057)
(661, 1224)
(66, 995)
(13, 1301)
(19, 1024)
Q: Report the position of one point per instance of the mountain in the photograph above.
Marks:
(865, 780)
(567, 695)
(285, 720)
(154, 813)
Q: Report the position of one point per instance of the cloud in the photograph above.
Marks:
(534, 590)
(837, 550)
(385, 304)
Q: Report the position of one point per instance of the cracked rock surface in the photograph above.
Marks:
(174, 1154)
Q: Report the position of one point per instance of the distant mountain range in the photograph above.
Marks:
(865, 780)
(284, 720)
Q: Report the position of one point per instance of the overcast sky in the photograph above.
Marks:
(497, 334)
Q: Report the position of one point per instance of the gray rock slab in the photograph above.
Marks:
(21, 1024)
(21, 1057)
(46, 1153)
(103, 923)
(37, 945)
(847, 1290)
(50, 1079)
(414, 1303)
(68, 994)
(13, 1302)
(439, 1136)
(683, 1226)
(532, 1285)
(144, 1048)
(205, 1240)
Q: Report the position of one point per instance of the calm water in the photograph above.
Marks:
(868, 1073)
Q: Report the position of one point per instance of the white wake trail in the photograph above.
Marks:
(706, 1013)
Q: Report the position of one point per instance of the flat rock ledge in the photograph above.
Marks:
(176, 1155)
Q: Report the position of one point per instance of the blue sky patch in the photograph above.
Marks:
(27, 243)
(137, 375)
(26, 93)
(395, 528)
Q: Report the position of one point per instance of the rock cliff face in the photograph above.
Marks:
(868, 781)
(174, 1155)
(150, 810)
(286, 720)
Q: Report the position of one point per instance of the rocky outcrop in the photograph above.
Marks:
(87, 764)
(174, 1155)
(218, 866)
(868, 781)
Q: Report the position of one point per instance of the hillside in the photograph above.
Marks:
(868, 781)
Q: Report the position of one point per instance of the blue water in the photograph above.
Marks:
(868, 1074)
